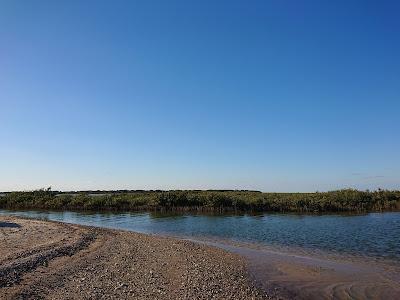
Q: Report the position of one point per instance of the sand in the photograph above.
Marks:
(51, 260)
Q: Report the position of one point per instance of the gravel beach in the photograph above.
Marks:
(51, 260)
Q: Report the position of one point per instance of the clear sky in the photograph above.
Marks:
(267, 95)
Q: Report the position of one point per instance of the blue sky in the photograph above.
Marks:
(266, 95)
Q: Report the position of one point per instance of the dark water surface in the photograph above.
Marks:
(375, 234)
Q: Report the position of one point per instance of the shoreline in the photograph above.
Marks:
(268, 272)
(325, 235)
(54, 260)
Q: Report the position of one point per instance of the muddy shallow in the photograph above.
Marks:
(296, 274)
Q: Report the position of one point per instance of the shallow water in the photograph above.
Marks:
(372, 235)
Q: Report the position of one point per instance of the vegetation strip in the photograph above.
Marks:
(336, 201)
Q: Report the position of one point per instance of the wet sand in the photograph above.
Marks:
(50, 260)
(300, 274)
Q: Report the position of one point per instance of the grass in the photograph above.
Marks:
(347, 200)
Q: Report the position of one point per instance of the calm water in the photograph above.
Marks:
(375, 234)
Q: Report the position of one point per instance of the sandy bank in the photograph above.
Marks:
(50, 260)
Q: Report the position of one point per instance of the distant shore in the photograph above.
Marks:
(347, 200)
(51, 260)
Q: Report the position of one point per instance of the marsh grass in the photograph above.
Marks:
(347, 200)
